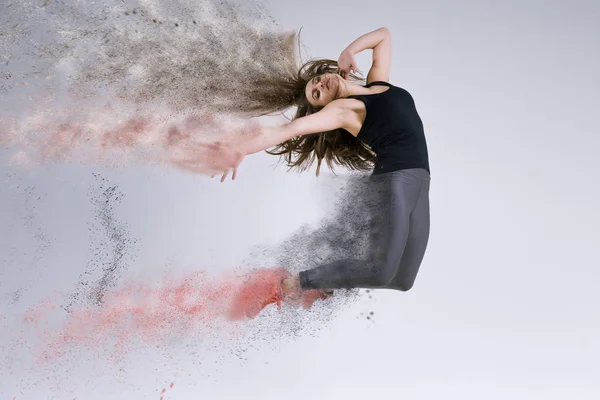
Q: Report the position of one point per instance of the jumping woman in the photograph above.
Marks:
(374, 127)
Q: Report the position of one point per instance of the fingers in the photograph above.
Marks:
(211, 159)
(345, 72)
(226, 174)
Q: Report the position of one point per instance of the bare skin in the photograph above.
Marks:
(290, 285)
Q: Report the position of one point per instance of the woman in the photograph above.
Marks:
(373, 126)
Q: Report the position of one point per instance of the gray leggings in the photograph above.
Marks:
(400, 231)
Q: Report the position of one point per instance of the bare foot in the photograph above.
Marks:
(290, 286)
(294, 294)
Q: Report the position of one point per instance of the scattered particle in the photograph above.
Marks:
(112, 247)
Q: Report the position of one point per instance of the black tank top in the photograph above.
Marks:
(393, 130)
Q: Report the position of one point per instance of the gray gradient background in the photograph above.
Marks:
(506, 304)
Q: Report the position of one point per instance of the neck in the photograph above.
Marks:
(350, 89)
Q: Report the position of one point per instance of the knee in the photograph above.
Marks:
(381, 278)
(402, 283)
(404, 286)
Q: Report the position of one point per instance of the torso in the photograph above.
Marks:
(386, 120)
(356, 111)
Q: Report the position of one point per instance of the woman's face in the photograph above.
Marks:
(323, 89)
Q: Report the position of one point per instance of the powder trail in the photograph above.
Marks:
(132, 82)
(147, 314)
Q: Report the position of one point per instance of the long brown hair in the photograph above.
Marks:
(335, 147)
(284, 89)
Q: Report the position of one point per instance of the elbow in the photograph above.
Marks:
(385, 31)
(383, 34)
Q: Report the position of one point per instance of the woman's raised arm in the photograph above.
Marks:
(380, 41)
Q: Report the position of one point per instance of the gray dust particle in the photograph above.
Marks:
(111, 246)
(351, 230)
(188, 55)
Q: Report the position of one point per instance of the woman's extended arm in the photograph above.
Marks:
(331, 117)
(380, 41)
(225, 157)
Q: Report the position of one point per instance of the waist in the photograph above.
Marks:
(387, 167)
(391, 159)
(404, 175)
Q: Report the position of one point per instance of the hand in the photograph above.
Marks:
(211, 158)
(226, 173)
(346, 64)
(226, 158)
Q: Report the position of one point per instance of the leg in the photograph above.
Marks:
(388, 246)
(416, 244)
(398, 240)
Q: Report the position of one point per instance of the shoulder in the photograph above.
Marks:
(347, 104)
(350, 112)
(348, 108)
